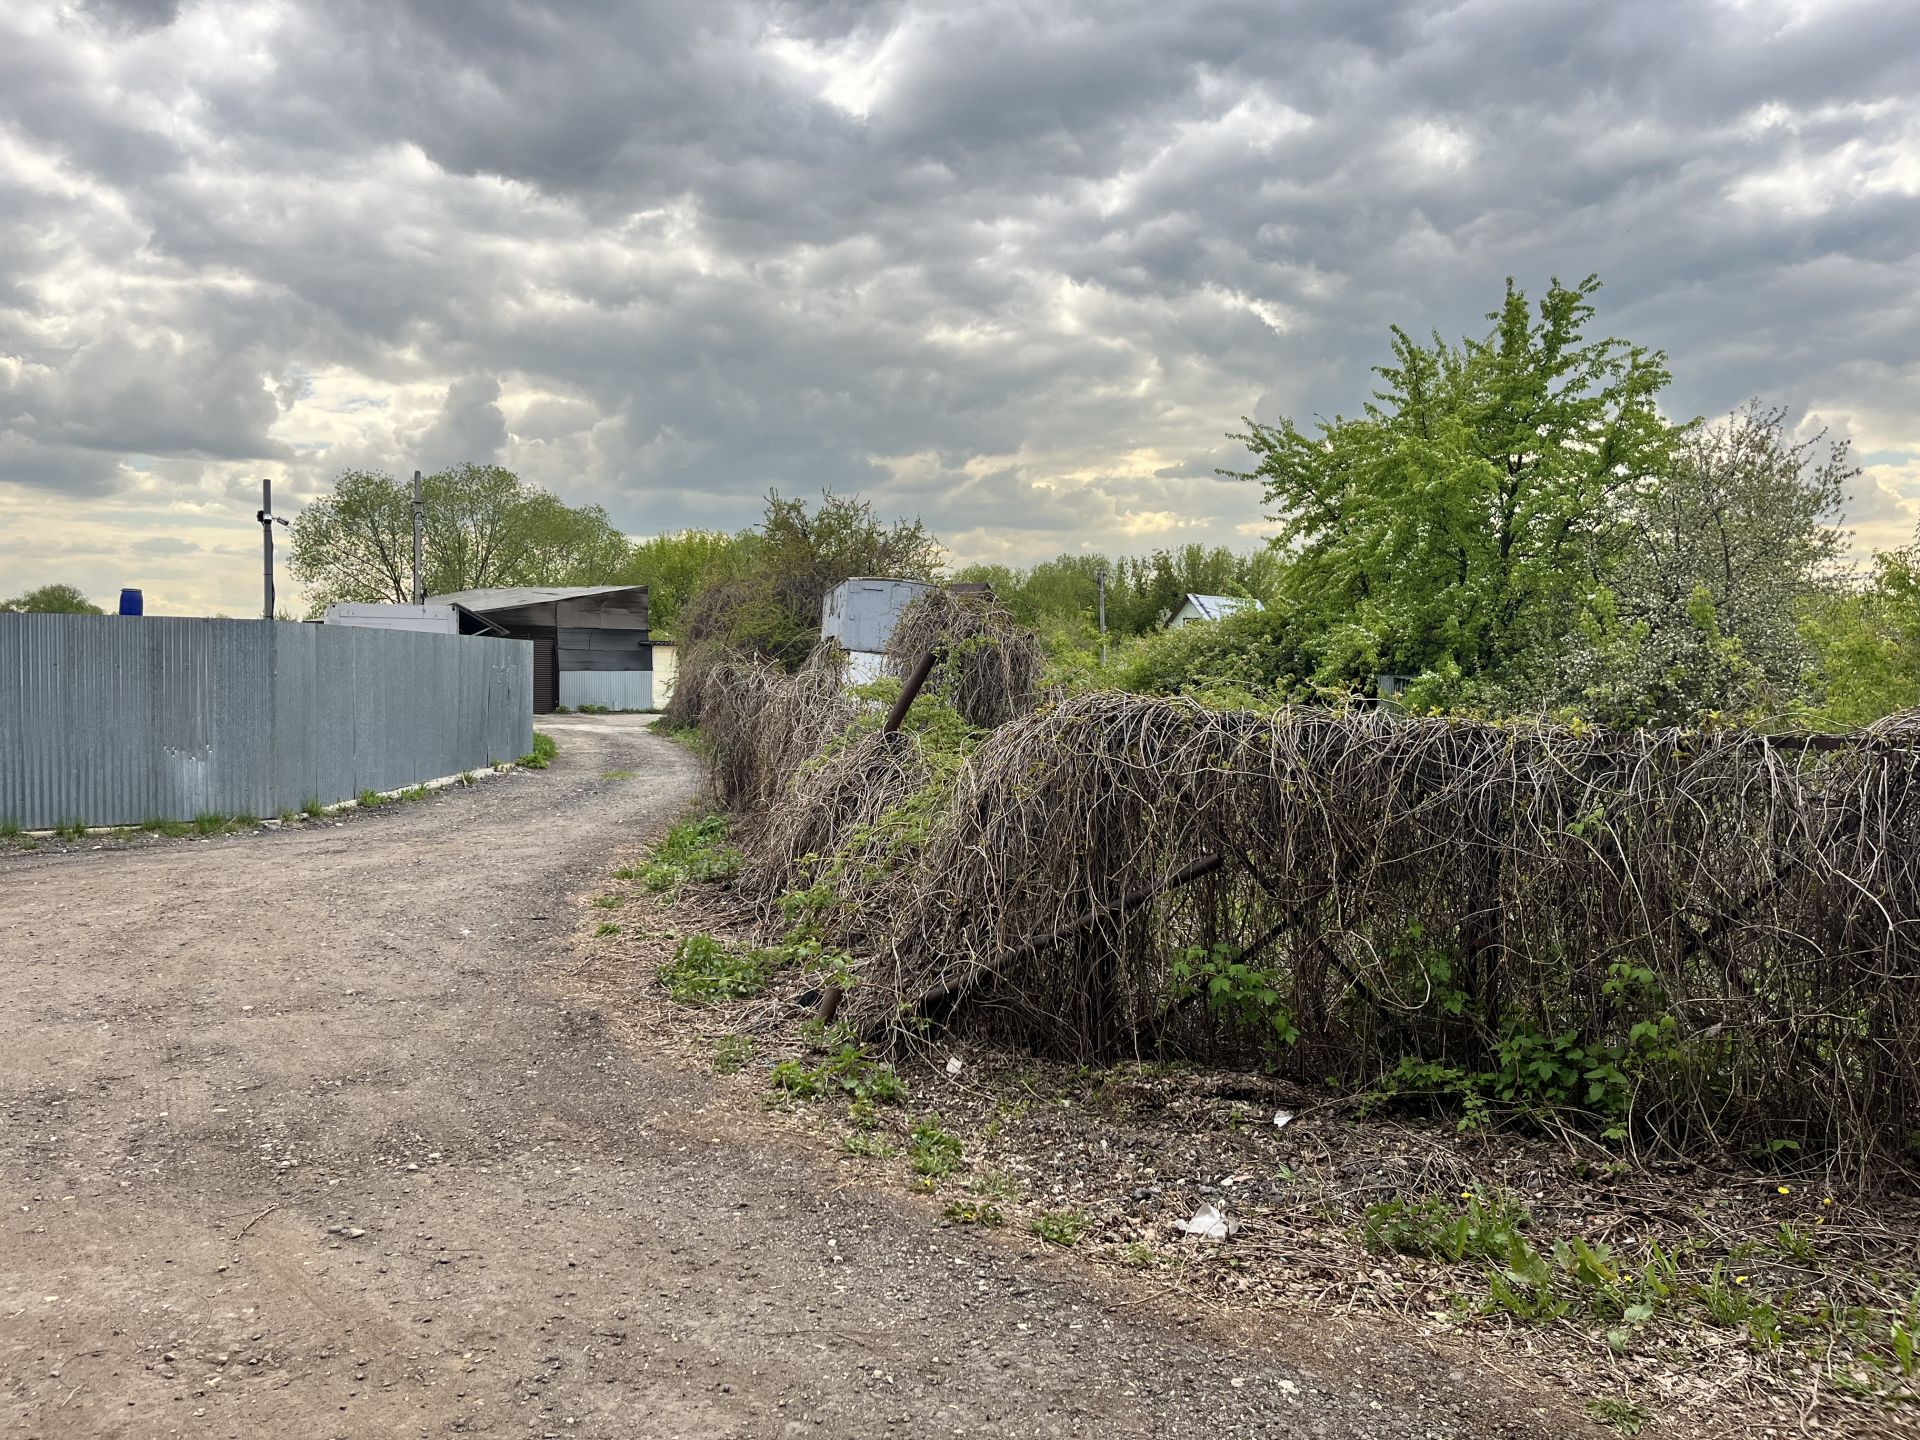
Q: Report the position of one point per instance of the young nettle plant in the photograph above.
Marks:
(694, 850)
(705, 971)
(1244, 995)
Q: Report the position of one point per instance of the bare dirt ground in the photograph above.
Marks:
(303, 1136)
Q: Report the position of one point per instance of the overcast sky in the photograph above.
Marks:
(1013, 268)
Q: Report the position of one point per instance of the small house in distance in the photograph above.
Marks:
(590, 642)
(1209, 607)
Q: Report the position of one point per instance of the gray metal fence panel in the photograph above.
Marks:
(112, 721)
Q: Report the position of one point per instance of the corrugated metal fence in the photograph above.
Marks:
(110, 721)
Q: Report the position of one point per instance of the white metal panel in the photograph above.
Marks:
(429, 619)
(615, 689)
(861, 613)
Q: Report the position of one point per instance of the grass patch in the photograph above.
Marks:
(9, 831)
(1059, 1227)
(731, 1054)
(71, 830)
(619, 774)
(606, 927)
(867, 1145)
(541, 756)
(172, 829)
(695, 850)
(607, 902)
(704, 971)
(369, 799)
(313, 809)
(209, 823)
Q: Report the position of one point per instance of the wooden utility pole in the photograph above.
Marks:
(1103, 614)
(267, 520)
(419, 525)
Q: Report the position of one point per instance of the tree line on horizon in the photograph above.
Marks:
(1510, 525)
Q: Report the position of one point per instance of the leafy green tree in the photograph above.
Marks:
(1462, 524)
(52, 600)
(483, 526)
(1726, 552)
(1866, 643)
(673, 566)
(767, 602)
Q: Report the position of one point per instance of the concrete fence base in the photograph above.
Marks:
(111, 721)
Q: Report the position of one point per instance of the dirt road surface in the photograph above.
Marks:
(302, 1138)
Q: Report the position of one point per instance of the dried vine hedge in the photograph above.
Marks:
(1699, 938)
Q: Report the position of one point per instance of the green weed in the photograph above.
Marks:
(931, 1151)
(313, 809)
(731, 1054)
(72, 830)
(369, 799)
(796, 1079)
(1623, 1415)
(873, 1147)
(209, 823)
(705, 970)
(619, 774)
(172, 829)
(607, 902)
(1059, 1227)
(606, 927)
(975, 1212)
(695, 850)
(541, 756)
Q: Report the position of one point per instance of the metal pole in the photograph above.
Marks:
(266, 544)
(1103, 615)
(419, 512)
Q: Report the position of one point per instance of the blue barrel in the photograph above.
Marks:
(132, 603)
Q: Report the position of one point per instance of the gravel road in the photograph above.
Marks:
(302, 1138)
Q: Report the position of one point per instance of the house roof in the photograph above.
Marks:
(512, 597)
(1215, 607)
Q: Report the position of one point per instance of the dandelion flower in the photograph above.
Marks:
(1739, 1279)
(1786, 1189)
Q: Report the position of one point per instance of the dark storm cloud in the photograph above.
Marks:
(1015, 267)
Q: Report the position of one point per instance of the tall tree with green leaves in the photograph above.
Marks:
(52, 600)
(483, 526)
(1725, 555)
(1461, 524)
(769, 602)
(673, 566)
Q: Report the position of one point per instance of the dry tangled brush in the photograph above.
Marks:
(989, 665)
(1699, 937)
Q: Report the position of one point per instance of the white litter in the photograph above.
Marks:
(1209, 1224)
(954, 1067)
(1282, 1119)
